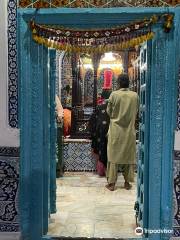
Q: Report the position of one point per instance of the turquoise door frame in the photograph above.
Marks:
(53, 129)
(46, 139)
(143, 146)
(32, 61)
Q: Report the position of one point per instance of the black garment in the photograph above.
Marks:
(92, 129)
(59, 151)
(100, 125)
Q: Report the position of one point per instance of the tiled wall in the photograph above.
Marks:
(176, 192)
(176, 197)
(9, 183)
(77, 156)
(66, 79)
(9, 156)
(12, 65)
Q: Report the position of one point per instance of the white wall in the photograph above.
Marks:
(10, 236)
(8, 136)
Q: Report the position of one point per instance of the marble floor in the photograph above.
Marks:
(85, 208)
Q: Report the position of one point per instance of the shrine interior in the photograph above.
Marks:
(85, 208)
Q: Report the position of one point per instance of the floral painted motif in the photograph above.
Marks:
(177, 193)
(9, 182)
(12, 65)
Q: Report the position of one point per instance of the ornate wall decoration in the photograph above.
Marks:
(176, 194)
(176, 190)
(59, 59)
(12, 65)
(66, 81)
(96, 3)
(99, 40)
(88, 86)
(78, 157)
(9, 182)
(9, 156)
(9, 151)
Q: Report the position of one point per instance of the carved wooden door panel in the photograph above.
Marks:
(46, 140)
(49, 137)
(53, 129)
(142, 172)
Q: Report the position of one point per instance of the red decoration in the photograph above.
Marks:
(100, 100)
(108, 74)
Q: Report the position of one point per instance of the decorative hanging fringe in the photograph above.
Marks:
(98, 40)
(94, 49)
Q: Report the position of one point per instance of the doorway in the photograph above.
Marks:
(84, 169)
(35, 164)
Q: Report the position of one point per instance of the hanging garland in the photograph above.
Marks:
(98, 40)
(93, 49)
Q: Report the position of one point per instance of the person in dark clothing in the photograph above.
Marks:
(100, 124)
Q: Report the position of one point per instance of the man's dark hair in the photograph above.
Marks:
(123, 81)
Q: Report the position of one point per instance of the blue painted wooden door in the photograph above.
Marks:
(38, 103)
(53, 129)
(49, 137)
(46, 141)
(35, 148)
(142, 173)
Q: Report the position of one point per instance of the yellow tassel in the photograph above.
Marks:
(58, 46)
(53, 44)
(40, 40)
(144, 38)
(126, 45)
(136, 41)
(34, 38)
(50, 44)
(152, 35)
(131, 43)
(70, 48)
(154, 19)
(34, 31)
(43, 40)
(79, 49)
(67, 48)
(46, 42)
(121, 46)
(118, 46)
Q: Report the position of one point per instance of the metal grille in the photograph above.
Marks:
(97, 3)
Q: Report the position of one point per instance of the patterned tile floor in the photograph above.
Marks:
(85, 208)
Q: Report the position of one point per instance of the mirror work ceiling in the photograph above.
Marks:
(96, 3)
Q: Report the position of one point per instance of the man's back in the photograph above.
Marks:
(123, 106)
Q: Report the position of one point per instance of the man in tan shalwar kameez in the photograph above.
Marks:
(121, 150)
